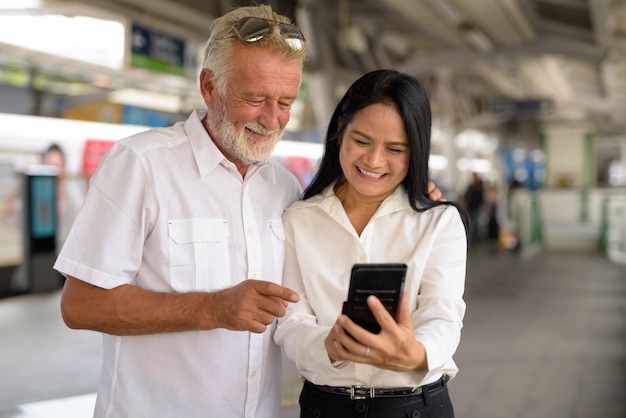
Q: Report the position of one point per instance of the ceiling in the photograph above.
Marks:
(489, 64)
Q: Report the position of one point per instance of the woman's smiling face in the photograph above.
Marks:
(374, 153)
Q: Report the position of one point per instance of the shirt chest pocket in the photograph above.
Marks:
(199, 258)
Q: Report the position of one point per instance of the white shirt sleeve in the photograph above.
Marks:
(440, 307)
(299, 334)
(116, 198)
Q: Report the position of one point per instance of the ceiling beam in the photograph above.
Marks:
(422, 63)
(174, 18)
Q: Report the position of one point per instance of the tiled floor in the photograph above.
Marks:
(544, 337)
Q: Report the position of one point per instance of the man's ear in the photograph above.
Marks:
(207, 86)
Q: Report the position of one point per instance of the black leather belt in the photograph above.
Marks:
(364, 392)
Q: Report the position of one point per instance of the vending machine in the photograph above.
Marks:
(40, 220)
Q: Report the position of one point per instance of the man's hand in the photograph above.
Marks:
(130, 310)
(434, 193)
(250, 306)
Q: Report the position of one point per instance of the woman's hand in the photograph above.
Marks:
(394, 348)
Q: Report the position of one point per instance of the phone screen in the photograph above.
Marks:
(385, 281)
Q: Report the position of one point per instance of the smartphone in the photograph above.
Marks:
(383, 280)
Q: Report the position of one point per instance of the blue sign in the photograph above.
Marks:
(525, 107)
(157, 51)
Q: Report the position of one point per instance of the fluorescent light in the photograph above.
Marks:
(437, 162)
(147, 99)
(20, 4)
(476, 165)
(80, 38)
(471, 139)
(26, 132)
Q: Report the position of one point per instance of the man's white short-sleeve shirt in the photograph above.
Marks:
(166, 211)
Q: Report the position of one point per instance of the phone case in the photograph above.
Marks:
(385, 281)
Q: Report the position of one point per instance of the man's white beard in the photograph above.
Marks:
(236, 144)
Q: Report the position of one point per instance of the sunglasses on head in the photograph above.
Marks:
(253, 29)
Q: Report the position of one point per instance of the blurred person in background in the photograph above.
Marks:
(70, 192)
(493, 217)
(474, 200)
(67, 200)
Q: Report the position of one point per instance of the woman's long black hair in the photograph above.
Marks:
(410, 99)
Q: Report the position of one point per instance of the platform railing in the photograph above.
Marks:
(614, 228)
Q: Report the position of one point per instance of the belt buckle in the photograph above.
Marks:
(361, 392)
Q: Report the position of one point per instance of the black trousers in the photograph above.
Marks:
(315, 403)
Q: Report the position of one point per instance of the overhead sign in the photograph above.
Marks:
(157, 51)
(525, 107)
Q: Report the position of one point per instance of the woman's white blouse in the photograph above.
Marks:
(322, 246)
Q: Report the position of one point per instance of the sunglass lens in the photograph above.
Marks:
(293, 36)
(252, 29)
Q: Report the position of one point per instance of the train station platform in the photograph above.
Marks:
(544, 337)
